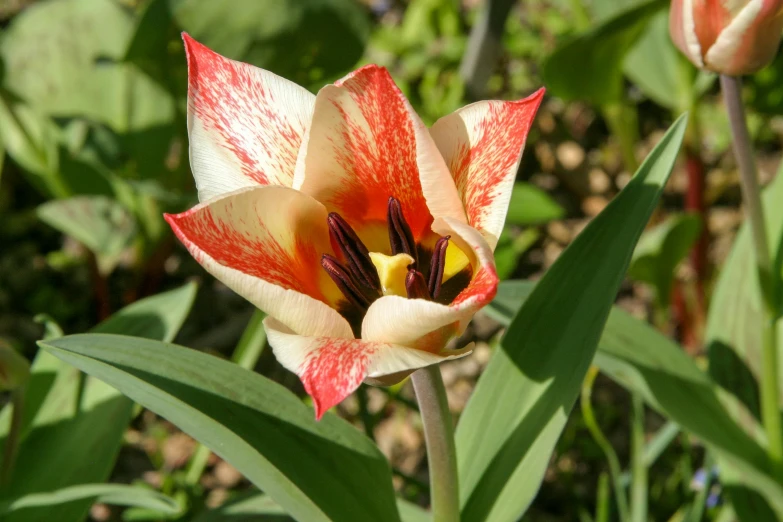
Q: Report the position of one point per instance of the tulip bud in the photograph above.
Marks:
(14, 369)
(732, 37)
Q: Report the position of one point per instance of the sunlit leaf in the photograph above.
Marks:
(522, 401)
(646, 362)
(99, 223)
(530, 205)
(316, 471)
(62, 57)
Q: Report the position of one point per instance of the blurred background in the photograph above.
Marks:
(93, 149)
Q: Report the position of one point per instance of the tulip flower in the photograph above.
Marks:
(366, 237)
(731, 37)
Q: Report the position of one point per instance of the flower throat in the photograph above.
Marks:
(364, 276)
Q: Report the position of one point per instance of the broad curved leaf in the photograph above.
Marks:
(316, 471)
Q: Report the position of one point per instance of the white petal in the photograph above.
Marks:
(331, 369)
(265, 244)
(482, 144)
(245, 124)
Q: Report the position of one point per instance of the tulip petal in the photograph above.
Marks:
(245, 124)
(750, 41)
(682, 27)
(265, 244)
(331, 368)
(482, 144)
(365, 144)
(427, 325)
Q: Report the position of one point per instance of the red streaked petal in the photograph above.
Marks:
(265, 244)
(331, 368)
(750, 41)
(366, 143)
(482, 144)
(426, 325)
(245, 124)
(682, 28)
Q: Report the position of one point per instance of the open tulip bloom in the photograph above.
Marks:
(366, 237)
(733, 37)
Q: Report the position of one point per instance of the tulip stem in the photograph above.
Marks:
(743, 150)
(439, 437)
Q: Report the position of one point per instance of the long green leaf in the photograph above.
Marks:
(736, 317)
(74, 424)
(114, 494)
(644, 361)
(522, 401)
(316, 471)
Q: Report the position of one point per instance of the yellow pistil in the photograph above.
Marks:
(456, 261)
(392, 271)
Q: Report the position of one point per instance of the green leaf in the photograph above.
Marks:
(659, 69)
(735, 320)
(258, 507)
(306, 41)
(644, 361)
(661, 249)
(75, 424)
(521, 403)
(735, 323)
(98, 222)
(30, 139)
(530, 205)
(62, 57)
(589, 67)
(251, 507)
(114, 494)
(316, 471)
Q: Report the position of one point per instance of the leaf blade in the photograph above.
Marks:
(500, 446)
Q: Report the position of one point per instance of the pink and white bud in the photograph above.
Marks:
(733, 37)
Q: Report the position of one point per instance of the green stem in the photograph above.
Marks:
(439, 437)
(615, 471)
(638, 466)
(12, 439)
(246, 354)
(623, 122)
(743, 150)
(251, 344)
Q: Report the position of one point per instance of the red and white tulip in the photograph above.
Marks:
(366, 237)
(732, 37)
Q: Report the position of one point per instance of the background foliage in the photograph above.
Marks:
(93, 150)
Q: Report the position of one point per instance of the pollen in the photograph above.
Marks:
(392, 271)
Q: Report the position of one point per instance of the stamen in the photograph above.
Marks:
(356, 254)
(400, 235)
(437, 265)
(344, 282)
(416, 286)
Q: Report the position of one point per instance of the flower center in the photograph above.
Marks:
(363, 276)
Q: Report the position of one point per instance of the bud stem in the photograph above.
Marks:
(439, 438)
(743, 150)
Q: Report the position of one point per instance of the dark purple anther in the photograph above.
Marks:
(415, 285)
(437, 266)
(400, 235)
(357, 257)
(344, 282)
